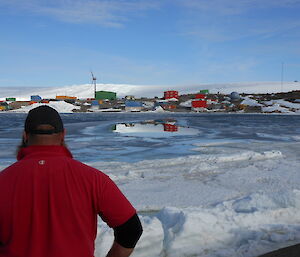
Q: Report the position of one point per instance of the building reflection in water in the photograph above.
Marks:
(154, 128)
(170, 127)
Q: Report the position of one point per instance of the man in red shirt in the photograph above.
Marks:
(49, 202)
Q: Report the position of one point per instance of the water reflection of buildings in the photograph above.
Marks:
(154, 128)
(148, 126)
(167, 125)
(170, 127)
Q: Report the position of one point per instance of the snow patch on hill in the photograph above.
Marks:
(60, 106)
(87, 90)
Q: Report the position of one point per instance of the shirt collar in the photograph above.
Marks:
(49, 150)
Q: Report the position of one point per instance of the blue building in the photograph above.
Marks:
(35, 98)
(133, 106)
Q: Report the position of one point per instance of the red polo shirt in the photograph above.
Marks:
(49, 204)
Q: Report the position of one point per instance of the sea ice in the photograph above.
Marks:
(231, 190)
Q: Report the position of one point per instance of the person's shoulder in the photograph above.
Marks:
(8, 169)
(87, 168)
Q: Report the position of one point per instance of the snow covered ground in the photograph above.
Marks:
(274, 106)
(87, 90)
(60, 106)
(223, 185)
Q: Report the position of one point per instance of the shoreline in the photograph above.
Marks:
(165, 112)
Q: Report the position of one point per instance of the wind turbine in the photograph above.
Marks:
(94, 82)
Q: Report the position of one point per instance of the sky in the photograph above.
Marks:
(45, 43)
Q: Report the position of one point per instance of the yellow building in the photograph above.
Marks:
(65, 97)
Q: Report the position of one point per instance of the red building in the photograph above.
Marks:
(199, 104)
(200, 96)
(171, 94)
(169, 106)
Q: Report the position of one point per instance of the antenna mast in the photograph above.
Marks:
(282, 76)
(94, 82)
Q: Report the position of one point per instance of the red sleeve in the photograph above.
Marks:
(112, 205)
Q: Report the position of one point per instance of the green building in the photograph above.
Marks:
(10, 99)
(204, 91)
(102, 95)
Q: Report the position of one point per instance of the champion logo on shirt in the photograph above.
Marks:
(42, 162)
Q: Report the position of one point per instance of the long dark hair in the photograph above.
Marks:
(23, 144)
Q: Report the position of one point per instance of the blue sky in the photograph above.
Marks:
(160, 42)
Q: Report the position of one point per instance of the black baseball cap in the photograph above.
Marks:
(43, 115)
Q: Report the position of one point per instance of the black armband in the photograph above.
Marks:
(128, 234)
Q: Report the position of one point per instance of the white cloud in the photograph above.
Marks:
(238, 66)
(232, 7)
(113, 13)
(227, 20)
(223, 31)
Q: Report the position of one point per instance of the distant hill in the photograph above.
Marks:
(86, 90)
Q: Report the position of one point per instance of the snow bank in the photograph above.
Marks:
(250, 102)
(190, 165)
(105, 110)
(230, 203)
(59, 106)
(275, 108)
(280, 105)
(283, 103)
(187, 103)
(168, 100)
(246, 226)
(158, 109)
